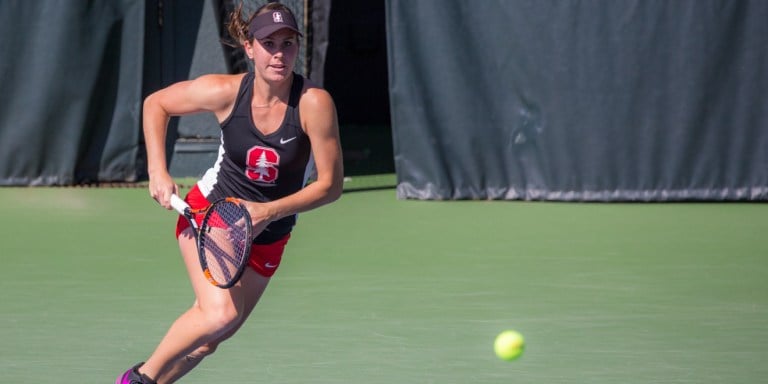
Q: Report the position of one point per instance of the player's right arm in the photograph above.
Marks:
(211, 93)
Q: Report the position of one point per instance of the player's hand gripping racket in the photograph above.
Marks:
(223, 239)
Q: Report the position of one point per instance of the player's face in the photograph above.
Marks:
(274, 56)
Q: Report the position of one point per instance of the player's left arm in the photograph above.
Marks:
(319, 120)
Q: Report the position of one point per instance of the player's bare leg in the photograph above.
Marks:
(184, 365)
(215, 314)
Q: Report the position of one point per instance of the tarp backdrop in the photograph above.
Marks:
(70, 91)
(74, 73)
(637, 100)
(647, 100)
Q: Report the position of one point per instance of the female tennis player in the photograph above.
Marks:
(272, 121)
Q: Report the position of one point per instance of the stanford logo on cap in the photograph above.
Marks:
(277, 17)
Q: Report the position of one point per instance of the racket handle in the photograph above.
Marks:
(178, 204)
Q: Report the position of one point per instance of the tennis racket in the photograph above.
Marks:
(223, 239)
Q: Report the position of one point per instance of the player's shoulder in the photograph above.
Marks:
(314, 96)
(317, 109)
(219, 82)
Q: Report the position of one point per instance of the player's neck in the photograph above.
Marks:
(268, 93)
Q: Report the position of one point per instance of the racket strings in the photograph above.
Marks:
(225, 242)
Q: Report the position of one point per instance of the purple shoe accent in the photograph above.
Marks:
(132, 376)
(123, 379)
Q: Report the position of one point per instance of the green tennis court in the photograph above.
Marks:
(377, 290)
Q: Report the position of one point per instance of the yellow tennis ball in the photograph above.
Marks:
(509, 345)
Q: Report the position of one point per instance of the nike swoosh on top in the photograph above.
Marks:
(284, 141)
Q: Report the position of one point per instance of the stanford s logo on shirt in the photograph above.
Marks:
(261, 164)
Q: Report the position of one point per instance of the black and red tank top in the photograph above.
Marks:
(258, 167)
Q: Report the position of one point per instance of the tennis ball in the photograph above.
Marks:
(509, 345)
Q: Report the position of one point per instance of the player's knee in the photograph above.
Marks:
(222, 318)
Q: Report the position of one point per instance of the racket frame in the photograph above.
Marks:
(185, 210)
